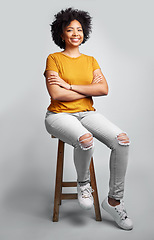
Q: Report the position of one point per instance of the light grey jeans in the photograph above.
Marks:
(69, 127)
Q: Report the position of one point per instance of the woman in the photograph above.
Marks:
(72, 79)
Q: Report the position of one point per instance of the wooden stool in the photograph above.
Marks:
(59, 184)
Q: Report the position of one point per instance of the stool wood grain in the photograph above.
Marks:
(59, 184)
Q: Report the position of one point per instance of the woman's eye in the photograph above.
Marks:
(79, 30)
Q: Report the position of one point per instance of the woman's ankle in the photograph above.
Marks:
(84, 182)
(113, 202)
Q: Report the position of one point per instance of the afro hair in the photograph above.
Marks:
(63, 19)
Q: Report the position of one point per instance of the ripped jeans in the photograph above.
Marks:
(78, 130)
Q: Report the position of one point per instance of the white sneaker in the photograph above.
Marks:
(85, 197)
(119, 214)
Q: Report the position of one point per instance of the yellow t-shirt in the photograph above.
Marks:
(75, 71)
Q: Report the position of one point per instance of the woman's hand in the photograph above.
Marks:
(97, 79)
(56, 80)
(98, 87)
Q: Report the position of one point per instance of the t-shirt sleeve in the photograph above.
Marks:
(51, 64)
(95, 64)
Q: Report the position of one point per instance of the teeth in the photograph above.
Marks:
(75, 39)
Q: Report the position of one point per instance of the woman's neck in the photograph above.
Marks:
(72, 52)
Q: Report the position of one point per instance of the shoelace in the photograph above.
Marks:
(86, 192)
(121, 211)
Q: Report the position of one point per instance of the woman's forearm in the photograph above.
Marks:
(61, 94)
(67, 95)
(98, 89)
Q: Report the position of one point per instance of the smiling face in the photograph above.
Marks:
(73, 34)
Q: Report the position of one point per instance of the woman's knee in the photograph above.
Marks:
(86, 141)
(123, 139)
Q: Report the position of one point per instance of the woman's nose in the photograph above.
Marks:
(75, 33)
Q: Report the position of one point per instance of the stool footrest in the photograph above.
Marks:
(69, 184)
(69, 196)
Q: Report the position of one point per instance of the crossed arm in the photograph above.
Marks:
(60, 90)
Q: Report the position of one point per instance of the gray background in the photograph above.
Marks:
(122, 42)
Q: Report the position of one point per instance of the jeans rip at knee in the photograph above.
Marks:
(86, 141)
(123, 139)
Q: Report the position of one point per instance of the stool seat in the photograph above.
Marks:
(59, 184)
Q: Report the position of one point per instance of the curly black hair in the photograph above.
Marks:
(63, 19)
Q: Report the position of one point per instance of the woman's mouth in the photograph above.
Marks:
(75, 39)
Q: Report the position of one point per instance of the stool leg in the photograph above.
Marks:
(58, 184)
(95, 193)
